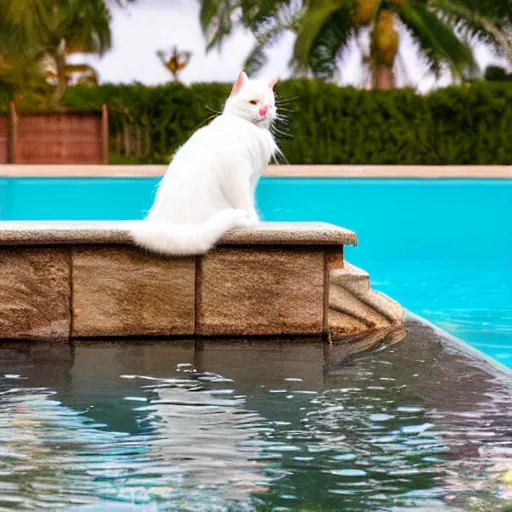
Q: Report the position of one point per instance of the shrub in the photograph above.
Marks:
(327, 124)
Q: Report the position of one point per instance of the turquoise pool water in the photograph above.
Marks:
(440, 247)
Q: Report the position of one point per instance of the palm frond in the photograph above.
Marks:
(208, 13)
(470, 23)
(85, 26)
(327, 46)
(21, 24)
(318, 16)
(490, 9)
(216, 20)
(257, 15)
(256, 59)
(437, 41)
(269, 33)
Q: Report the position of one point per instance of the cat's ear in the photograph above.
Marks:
(274, 83)
(240, 81)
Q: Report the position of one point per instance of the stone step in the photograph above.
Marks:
(354, 307)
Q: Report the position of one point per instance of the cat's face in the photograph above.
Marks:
(252, 100)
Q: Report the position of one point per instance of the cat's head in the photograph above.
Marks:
(252, 100)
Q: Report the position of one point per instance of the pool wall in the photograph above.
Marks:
(61, 280)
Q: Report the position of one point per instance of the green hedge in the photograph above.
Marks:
(328, 124)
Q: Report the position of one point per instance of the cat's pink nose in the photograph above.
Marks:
(263, 111)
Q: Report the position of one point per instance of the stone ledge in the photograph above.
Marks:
(61, 280)
(116, 232)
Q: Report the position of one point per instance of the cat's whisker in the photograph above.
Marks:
(213, 110)
(277, 130)
(280, 154)
(284, 109)
(281, 119)
(281, 98)
(281, 126)
(209, 118)
(281, 137)
(280, 101)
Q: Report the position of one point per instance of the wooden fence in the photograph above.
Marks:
(54, 138)
(4, 139)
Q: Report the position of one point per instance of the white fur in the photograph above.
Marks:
(209, 186)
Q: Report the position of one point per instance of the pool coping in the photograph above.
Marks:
(276, 171)
(117, 232)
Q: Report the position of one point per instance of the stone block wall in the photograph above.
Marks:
(86, 280)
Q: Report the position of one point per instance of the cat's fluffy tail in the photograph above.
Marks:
(186, 239)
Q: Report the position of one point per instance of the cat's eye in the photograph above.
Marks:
(253, 102)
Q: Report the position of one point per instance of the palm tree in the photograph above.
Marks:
(175, 61)
(19, 22)
(48, 31)
(325, 28)
(321, 37)
(74, 27)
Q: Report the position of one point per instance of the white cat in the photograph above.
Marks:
(210, 184)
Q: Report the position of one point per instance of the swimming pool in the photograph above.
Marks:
(439, 246)
(240, 426)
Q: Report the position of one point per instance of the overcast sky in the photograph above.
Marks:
(149, 25)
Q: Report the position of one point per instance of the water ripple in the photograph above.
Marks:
(139, 428)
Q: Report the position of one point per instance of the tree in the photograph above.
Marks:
(325, 28)
(497, 74)
(19, 70)
(175, 61)
(45, 32)
(74, 27)
(322, 36)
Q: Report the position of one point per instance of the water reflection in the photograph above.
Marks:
(253, 425)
